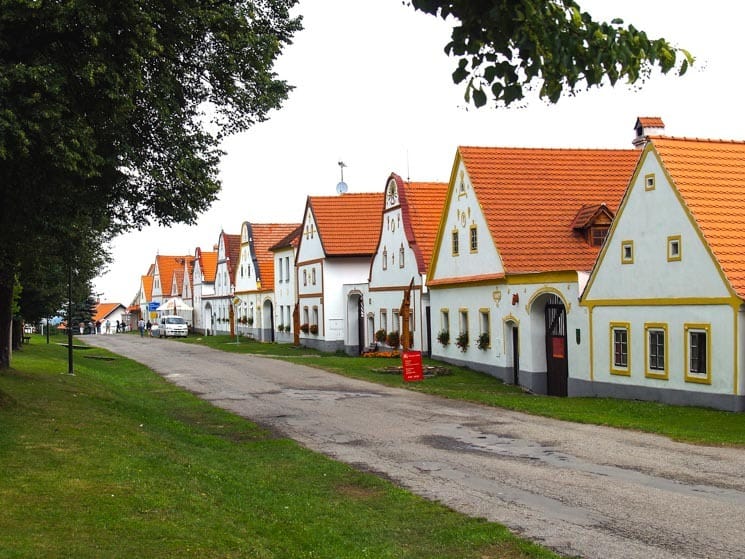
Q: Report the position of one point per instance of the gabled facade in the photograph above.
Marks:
(254, 302)
(203, 286)
(167, 277)
(665, 298)
(219, 305)
(140, 305)
(114, 313)
(339, 237)
(409, 225)
(285, 288)
(518, 236)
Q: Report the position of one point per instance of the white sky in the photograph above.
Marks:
(373, 89)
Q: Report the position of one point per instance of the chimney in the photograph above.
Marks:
(647, 126)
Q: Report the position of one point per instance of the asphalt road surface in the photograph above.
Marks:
(587, 491)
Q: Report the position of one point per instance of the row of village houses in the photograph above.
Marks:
(580, 272)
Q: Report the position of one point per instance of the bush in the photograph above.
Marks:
(443, 336)
(304, 328)
(462, 341)
(483, 341)
(314, 329)
(380, 336)
(393, 339)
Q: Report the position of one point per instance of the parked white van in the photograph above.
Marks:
(170, 325)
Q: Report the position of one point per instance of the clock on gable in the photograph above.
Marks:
(392, 196)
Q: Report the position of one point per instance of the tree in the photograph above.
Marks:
(506, 48)
(111, 114)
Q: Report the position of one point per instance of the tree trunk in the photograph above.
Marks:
(6, 316)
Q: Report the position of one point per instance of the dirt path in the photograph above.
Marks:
(581, 490)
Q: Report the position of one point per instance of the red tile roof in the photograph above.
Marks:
(530, 198)
(710, 176)
(232, 252)
(167, 267)
(421, 208)
(290, 240)
(349, 224)
(147, 285)
(650, 122)
(264, 236)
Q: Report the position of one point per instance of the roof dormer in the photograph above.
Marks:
(593, 222)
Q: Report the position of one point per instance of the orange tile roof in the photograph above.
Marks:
(167, 266)
(207, 264)
(290, 240)
(710, 176)
(264, 236)
(147, 285)
(349, 224)
(531, 196)
(650, 122)
(105, 309)
(421, 208)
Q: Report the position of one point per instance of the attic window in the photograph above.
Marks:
(674, 252)
(598, 233)
(649, 183)
(627, 252)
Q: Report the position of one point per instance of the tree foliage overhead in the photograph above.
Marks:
(111, 113)
(506, 47)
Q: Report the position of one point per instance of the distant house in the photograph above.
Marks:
(114, 313)
(410, 217)
(285, 287)
(254, 301)
(519, 234)
(203, 286)
(339, 237)
(665, 298)
(167, 277)
(218, 306)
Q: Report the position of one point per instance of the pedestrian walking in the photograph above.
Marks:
(149, 327)
(141, 327)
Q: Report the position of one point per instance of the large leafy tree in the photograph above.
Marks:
(506, 47)
(111, 113)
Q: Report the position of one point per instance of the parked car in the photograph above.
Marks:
(170, 325)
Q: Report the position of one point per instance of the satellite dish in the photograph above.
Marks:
(342, 187)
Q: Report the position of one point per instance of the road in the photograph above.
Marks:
(581, 490)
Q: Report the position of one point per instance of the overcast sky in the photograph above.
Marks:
(373, 89)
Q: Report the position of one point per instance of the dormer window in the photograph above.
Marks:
(593, 223)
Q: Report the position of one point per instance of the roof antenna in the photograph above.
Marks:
(342, 187)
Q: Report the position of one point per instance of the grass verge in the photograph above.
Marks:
(688, 424)
(116, 462)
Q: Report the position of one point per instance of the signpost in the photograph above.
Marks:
(412, 366)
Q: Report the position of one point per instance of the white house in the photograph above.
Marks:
(254, 301)
(339, 237)
(203, 288)
(411, 214)
(285, 287)
(665, 298)
(217, 307)
(519, 234)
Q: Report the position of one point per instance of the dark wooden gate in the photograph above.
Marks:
(556, 347)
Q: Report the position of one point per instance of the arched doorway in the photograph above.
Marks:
(207, 318)
(512, 349)
(267, 325)
(355, 335)
(557, 364)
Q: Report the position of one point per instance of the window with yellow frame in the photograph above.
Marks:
(620, 348)
(697, 353)
(656, 350)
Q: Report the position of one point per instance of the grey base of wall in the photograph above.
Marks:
(726, 402)
(534, 382)
(323, 345)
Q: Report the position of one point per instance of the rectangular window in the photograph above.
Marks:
(455, 242)
(314, 321)
(656, 344)
(620, 348)
(401, 256)
(384, 319)
(445, 320)
(313, 276)
(598, 233)
(627, 252)
(674, 249)
(474, 238)
(463, 321)
(395, 322)
(698, 365)
(649, 182)
(306, 319)
(305, 277)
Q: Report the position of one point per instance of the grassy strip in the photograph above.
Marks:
(689, 424)
(116, 462)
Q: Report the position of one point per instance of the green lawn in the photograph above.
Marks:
(116, 462)
(690, 424)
